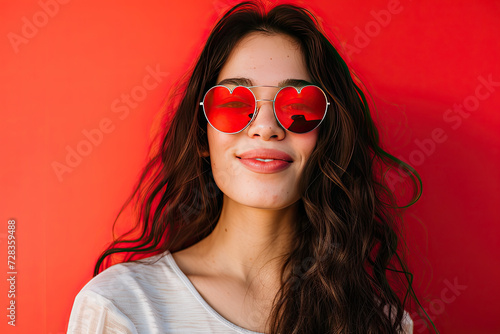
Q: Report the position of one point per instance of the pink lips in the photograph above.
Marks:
(280, 160)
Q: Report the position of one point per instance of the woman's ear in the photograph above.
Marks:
(204, 154)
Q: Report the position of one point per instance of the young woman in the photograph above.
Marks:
(263, 209)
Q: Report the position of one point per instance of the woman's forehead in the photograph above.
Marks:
(265, 60)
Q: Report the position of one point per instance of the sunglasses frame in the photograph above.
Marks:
(256, 110)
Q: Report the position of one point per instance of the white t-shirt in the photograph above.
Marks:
(134, 297)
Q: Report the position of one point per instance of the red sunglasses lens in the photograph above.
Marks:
(300, 112)
(229, 111)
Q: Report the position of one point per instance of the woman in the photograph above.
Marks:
(266, 213)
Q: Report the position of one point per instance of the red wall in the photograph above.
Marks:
(66, 71)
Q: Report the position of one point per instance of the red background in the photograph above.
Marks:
(69, 73)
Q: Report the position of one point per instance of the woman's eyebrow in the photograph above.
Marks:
(236, 82)
(294, 83)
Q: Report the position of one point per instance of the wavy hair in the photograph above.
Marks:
(343, 269)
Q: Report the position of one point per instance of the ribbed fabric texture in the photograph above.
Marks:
(139, 298)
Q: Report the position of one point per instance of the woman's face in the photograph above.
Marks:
(271, 60)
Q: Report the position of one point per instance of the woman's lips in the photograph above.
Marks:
(273, 166)
(265, 161)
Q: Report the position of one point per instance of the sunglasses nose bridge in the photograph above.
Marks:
(259, 103)
(265, 103)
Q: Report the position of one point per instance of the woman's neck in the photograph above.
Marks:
(249, 242)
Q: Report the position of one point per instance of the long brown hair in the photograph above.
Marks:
(343, 268)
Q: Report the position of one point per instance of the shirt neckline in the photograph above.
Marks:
(200, 299)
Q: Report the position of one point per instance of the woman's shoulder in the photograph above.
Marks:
(132, 297)
(130, 278)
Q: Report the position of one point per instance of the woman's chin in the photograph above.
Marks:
(265, 202)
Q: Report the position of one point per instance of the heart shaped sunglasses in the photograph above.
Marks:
(299, 110)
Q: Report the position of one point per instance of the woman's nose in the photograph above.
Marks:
(265, 125)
